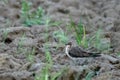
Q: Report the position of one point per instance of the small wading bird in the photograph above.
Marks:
(77, 52)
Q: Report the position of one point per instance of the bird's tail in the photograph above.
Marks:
(95, 54)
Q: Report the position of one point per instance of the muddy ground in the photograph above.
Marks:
(17, 41)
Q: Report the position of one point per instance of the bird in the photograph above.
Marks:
(78, 52)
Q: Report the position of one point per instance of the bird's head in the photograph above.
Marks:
(67, 48)
(69, 44)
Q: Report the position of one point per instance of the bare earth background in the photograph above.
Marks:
(95, 14)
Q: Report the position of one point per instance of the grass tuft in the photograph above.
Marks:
(45, 73)
(80, 33)
(29, 17)
(95, 40)
(60, 36)
(90, 75)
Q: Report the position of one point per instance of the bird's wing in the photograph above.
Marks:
(90, 53)
(78, 52)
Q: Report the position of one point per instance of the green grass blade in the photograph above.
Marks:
(90, 75)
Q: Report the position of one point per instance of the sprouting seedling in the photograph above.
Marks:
(20, 44)
(96, 39)
(45, 73)
(25, 9)
(48, 57)
(56, 75)
(83, 42)
(31, 18)
(80, 34)
(90, 75)
(30, 55)
(21, 41)
(99, 43)
(60, 35)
